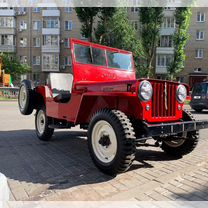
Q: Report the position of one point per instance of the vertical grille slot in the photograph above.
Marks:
(163, 101)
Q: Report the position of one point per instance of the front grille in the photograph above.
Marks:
(163, 100)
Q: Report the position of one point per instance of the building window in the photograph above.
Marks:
(7, 22)
(168, 22)
(164, 60)
(36, 60)
(134, 9)
(51, 62)
(36, 9)
(23, 42)
(200, 17)
(50, 40)
(68, 9)
(22, 10)
(166, 41)
(36, 42)
(8, 40)
(199, 53)
(23, 59)
(68, 25)
(67, 42)
(22, 25)
(51, 23)
(67, 61)
(37, 25)
(199, 35)
(135, 24)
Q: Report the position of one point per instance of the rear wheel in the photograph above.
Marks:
(181, 144)
(42, 125)
(111, 141)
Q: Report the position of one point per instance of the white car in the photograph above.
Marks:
(4, 189)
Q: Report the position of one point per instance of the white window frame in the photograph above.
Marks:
(69, 25)
(37, 40)
(49, 66)
(162, 60)
(22, 25)
(36, 10)
(169, 22)
(166, 41)
(37, 25)
(24, 43)
(68, 43)
(200, 35)
(68, 9)
(199, 53)
(67, 61)
(37, 61)
(23, 59)
(199, 17)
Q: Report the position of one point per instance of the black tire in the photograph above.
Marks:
(189, 144)
(47, 133)
(26, 107)
(125, 138)
(198, 110)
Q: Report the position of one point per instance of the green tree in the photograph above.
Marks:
(105, 15)
(121, 34)
(181, 36)
(87, 17)
(12, 66)
(151, 19)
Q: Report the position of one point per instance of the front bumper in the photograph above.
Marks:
(166, 129)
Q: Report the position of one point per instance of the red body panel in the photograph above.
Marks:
(97, 87)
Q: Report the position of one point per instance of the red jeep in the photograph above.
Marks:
(102, 94)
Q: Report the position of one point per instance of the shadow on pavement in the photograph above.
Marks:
(62, 163)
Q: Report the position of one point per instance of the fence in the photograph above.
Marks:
(9, 92)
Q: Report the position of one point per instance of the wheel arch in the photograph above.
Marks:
(89, 105)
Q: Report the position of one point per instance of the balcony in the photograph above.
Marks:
(165, 50)
(50, 49)
(51, 31)
(8, 48)
(51, 13)
(167, 31)
(161, 70)
(7, 31)
(7, 12)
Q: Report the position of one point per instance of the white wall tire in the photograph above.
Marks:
(111, 141)
(182, 146)
(26, 97)
(42, 125)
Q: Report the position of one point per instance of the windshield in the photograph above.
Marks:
(200, 88)
(119, 60)
(96, 56)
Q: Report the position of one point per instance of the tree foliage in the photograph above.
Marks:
(12, 66)
(121, 34)
(181, 36)
(87, 16)
(151, 19)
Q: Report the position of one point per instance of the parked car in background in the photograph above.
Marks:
(199, 97)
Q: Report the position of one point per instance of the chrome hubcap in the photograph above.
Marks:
(41, 121)
(104, 141)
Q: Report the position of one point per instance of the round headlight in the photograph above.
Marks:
(145, 91)
(181, 93)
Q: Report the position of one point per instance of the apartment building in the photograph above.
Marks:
(196, 64)
(40, 37)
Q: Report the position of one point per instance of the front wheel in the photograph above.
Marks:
(111, 141)
(181, 144)
(43, 131)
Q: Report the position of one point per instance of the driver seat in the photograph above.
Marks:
(61, 86)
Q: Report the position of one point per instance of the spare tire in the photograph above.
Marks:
(26, 97)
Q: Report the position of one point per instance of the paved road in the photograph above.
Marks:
(63, 170)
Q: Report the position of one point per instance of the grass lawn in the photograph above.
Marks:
(7, 99)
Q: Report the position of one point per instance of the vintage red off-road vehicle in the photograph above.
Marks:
(120, 112)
